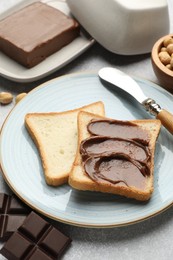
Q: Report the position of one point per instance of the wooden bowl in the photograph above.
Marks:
(164, 75)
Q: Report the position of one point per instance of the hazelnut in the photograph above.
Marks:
(19, 97)
(164, 57)
(163, 49)
(6, 98)
(169, 66)
(168, 40)
(170, 49)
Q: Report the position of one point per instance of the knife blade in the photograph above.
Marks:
(123, 81)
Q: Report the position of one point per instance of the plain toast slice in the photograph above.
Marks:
(55, 135)
(79, 179)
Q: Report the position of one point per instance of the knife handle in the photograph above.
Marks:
(166, 119)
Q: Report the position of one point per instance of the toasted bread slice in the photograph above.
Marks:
(55, 135)
(79, 179)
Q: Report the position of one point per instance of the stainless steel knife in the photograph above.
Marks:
(128, 84)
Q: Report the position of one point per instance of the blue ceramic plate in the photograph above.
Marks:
(22, 169)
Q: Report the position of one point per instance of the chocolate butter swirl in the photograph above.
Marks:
(103, 145)
(116, 128)
(116, 152)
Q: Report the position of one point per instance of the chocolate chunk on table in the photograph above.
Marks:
(35, 239)
(12, 214)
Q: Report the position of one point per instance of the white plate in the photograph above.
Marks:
(22, 169)
(16, 72)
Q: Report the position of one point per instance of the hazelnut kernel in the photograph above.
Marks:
(167, 41)
(170, 48)
(19, 97)
(169, 66)
(6, 98)
(164, 57)
(163, 49)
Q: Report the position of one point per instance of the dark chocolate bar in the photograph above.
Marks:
(35, 239)
(12, 214)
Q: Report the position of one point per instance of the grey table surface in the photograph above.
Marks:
(150, 239)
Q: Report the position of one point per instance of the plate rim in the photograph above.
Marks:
(72, 222)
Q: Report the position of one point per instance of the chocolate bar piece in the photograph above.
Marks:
(12, 214)
(35, 239)
(35, 32)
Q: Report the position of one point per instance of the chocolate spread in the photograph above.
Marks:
(115, 128)
(116, 152)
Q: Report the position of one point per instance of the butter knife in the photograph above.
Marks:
(125, 82)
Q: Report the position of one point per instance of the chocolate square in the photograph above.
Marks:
(35, 241)
(12, 214)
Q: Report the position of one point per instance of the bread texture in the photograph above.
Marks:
(55, 136)
(79, 179)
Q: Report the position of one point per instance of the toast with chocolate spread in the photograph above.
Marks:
(115, 156)
(55, 135)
